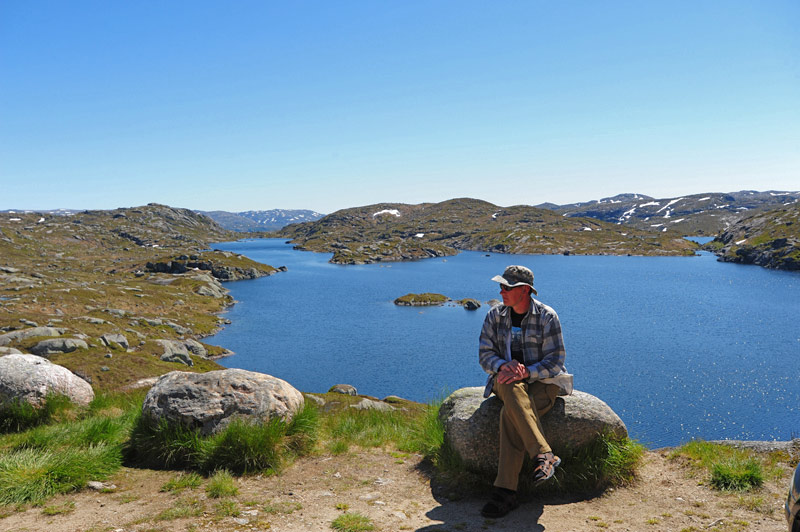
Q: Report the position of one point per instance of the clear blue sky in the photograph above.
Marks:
(331, 104)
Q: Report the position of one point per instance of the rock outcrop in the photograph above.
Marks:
(31, 378)
(370, 404)
(472, 424)
(470, 304)
(58, 345)
(770, 239)
(23, 334)
(110, 339)
(346, 389)
(175, 351)
(209, 401)
(421, 300)
(223, 272)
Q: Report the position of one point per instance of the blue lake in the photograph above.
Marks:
(680, 348)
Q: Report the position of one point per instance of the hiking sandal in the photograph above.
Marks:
(546, 465)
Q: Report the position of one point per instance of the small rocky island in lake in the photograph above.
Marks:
(421, 300)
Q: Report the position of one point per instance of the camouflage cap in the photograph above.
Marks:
(516, 276)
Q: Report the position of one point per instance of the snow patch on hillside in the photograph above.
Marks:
(673, 202)
(393, 212)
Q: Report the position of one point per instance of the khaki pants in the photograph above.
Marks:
(520, 428)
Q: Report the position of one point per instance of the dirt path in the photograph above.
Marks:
(390, 489)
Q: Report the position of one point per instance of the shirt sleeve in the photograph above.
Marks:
(553, 352)
(490, 352)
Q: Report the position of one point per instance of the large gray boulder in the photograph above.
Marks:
(472, 424)
(31, 378)
(24, 334)
(58, 345)
(209, 401)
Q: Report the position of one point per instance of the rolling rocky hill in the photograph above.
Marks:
(254, 221)
(135, 288)
(393, 232)
(696, 214)
(770, 239)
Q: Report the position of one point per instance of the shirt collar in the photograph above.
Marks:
(505, 311)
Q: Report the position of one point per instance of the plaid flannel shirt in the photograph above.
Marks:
(542, 346)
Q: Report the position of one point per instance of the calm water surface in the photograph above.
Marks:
(680, 348)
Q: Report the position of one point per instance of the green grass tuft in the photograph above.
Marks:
(737, 475)
(242, 447)
(352, 522)
(221, 484)
(730, 468)
(17, 415)
(161, 445)
(33, 475)
(181, 482)
(417, 430)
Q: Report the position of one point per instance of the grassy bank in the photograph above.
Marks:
(61, 447)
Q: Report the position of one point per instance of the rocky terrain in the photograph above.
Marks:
(394, 232)
(696, 214)
(770, 239)
(118, 295)
(255, 221)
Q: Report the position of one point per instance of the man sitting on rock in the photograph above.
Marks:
(522, 350)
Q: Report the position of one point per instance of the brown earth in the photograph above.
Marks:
(395, 493)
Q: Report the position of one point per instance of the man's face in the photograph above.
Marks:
(514, 296)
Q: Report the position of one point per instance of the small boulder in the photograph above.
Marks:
(345, 389)
(178, 328)
(196, 348)
(369, 404)
(472, 424)
(209, 401)
(9, 351)
(58, 345)
(115, 338)
(470, 304)
(175, 351)
(32, 378)
(394, 399)
(319, 401)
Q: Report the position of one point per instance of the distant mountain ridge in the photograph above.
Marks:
(694, 214)
(269, 220)
(396, 231)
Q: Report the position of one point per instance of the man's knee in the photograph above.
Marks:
(513, 393)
